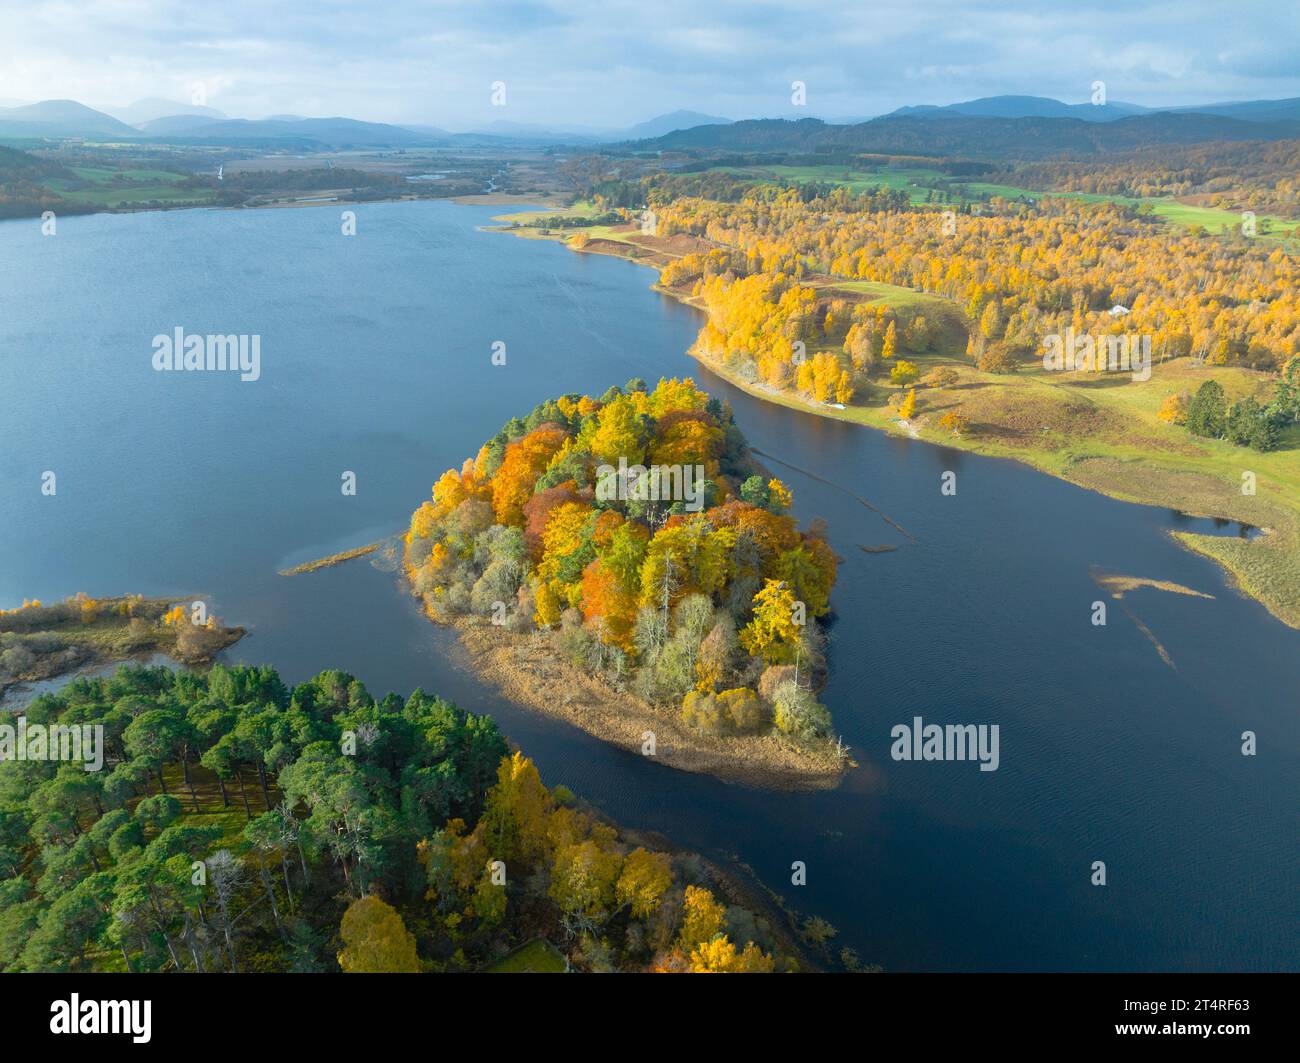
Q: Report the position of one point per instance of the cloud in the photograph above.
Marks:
(613, 62)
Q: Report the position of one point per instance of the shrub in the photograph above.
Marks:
(742, 711)
(798, 713)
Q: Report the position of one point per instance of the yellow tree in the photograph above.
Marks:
(890, 347)
(645, 879)
(719, 956)
(772, 633)
(702, 918)
(375, 941)
(514, 814)
(585, 874)
(908, 406)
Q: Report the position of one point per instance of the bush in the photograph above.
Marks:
(733, 712)
(16, 660)
(940, 377)
(799, 714)
(772, 679)
(742, 712)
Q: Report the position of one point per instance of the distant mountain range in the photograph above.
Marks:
(1024, 107)
(1045, 107)
(159, 119)
(974, 136)
(995, 126)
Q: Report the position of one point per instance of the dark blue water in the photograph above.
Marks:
(376, 360)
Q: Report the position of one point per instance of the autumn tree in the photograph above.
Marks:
(375, 941)
(772, 633)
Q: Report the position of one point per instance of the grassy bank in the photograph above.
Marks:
(529, 672)
(332, 559)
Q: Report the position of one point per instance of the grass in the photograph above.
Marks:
(1103, 434)
(211, 812)
(537, 957)
(920, 182)
(333, 559)
(127, 188)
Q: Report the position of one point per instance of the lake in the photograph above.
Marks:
(376, 360)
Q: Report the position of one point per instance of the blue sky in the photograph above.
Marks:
(611, 63)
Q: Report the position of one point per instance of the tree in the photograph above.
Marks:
(954, 423)
(375, 940)
(991, 321)
(1173, 410)
(719, 956)
(772, 633)
(799, 713)
(907, 407)
(756, 492)
(584, 876)
(904, 372)
(703, 918)
(1207, 412)
(1001, 356)
(644, 880)
(890, 347)
(514, 815)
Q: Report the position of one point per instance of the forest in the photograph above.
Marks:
(714, 610)
(242, 825)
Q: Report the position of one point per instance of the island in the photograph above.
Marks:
(623, 562)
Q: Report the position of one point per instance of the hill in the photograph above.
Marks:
(986, 137)
(61, 118)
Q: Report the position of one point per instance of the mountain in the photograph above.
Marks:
(1252, 110)
(1045, 107)
(669, 123)
(61, 118)
(175, 125)
(330, 132)
(970, 135)
(153, 108)
(1024, 107)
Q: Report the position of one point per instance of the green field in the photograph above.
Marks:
(926, 185)
(537, 957)
(108, 188)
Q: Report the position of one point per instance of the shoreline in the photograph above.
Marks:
(527, 672)
(1250, 574)
(109, 640)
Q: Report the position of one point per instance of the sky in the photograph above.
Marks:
(610, 63)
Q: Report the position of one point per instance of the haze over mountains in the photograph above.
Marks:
(1024, 126)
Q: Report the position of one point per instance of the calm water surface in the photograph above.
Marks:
(375, 360)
